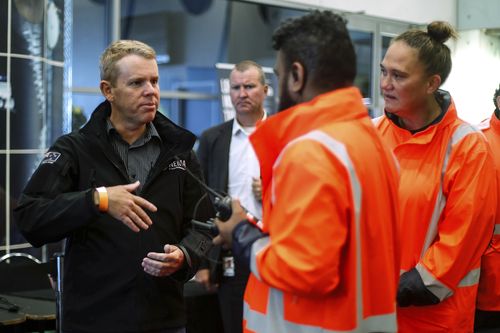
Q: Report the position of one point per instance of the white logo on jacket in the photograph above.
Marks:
(177, 165)
(50, 157)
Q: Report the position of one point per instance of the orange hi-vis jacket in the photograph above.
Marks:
(448, 199)
(331, 260)
(488, 293)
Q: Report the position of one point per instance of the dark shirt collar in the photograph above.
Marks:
(442, 98)
(150, 132)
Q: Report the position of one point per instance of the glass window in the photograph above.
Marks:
(386, 41)
(363, 42)
(6, 101)
(3, 25)
(190, 38)
(31, 97)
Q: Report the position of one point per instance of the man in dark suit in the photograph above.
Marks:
(230, 167)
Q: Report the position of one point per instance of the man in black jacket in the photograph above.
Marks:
(119, 192)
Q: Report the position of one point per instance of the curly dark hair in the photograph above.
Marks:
(320, 42)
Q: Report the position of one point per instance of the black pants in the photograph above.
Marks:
(203, 314)
(231, 291)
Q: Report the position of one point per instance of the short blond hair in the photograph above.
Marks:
(247, 64)
(116, 51)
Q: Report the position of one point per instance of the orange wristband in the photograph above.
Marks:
(103, 199)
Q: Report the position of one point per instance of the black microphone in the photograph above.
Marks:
(222, 207)
(208, 226)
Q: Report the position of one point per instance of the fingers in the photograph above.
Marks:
(156, 268)
(174, 254)
(133, 216)
(169, 248)
(132, 186)
(139, 219)
(157, 256)
(257, 188)
(130, 224)
(203, 277)
(138, 216)
(130, 208)
(226, 228)
(256, 183)
(163, 264)
(218, 240)
(145, 204)
(236, 207)
(222, 239)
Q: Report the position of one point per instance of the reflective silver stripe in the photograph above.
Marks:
(436, 214)
(338, 149)
(257, 246)
(460, 132)
(381, 323)
(434, 285)
(440, 290)
(471, 279)
(377, 120)
(274, 320)
(497, 228)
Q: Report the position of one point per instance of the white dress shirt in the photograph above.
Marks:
(243, 165)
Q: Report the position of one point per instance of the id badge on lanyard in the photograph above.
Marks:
(228, 266)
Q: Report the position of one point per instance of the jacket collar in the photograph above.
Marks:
(424, 136)
(237, 127)
(171, 134)
(495, 121)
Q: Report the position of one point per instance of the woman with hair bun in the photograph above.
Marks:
(447, 189)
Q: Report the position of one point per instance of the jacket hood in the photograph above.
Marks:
(278, 130)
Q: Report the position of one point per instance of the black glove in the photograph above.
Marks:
(412, 291)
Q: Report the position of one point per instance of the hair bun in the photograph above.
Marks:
(441, 31)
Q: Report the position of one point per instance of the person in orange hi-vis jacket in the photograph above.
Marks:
(488, 293)
(327, 256)
(447, 188)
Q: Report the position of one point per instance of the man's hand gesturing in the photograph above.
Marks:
(129, 208)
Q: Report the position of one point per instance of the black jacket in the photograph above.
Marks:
(213, 153)
(105, 288)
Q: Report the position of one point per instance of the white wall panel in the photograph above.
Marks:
(413, 11)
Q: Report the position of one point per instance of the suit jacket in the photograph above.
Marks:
(213, 153)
